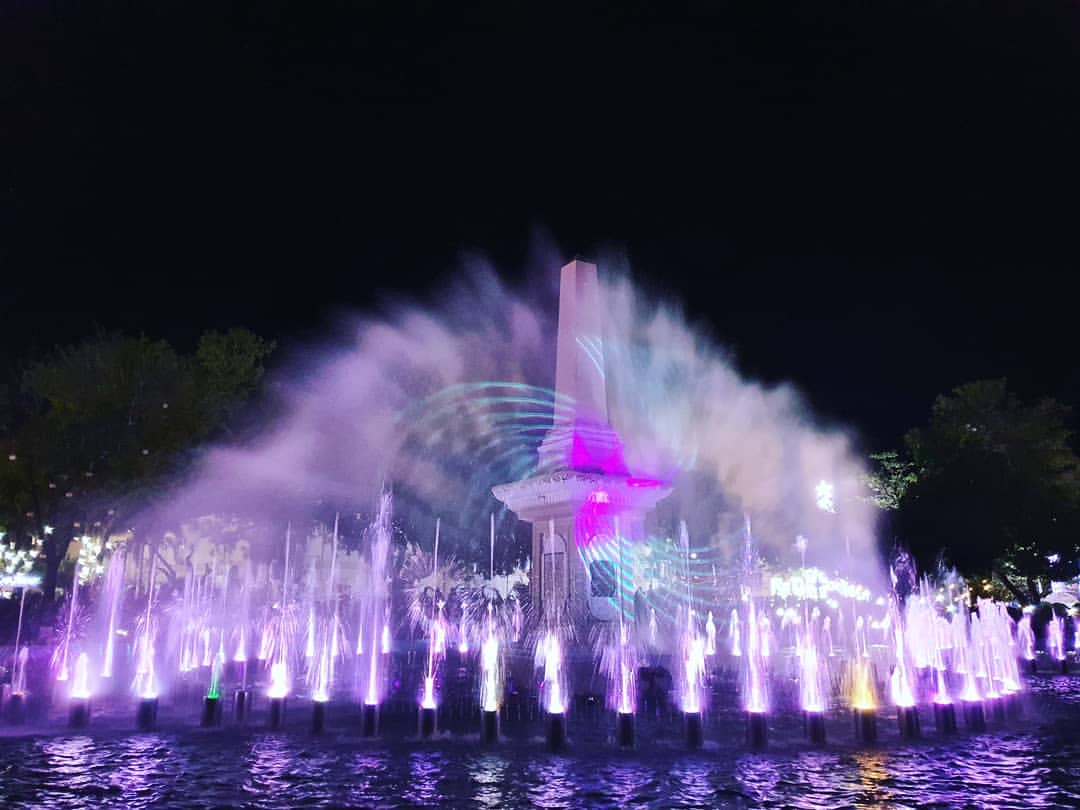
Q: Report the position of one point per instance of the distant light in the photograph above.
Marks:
(824, 493)
(20, 580)
(1053, 559)
(48, 530)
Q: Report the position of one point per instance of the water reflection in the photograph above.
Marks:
(872, 778)
(691, 784)
(555, 789)
(632, 786)
(368, 776)
(489, 774)
(758, 776)
(138, 771)
(425, 770)
(268, 764)
(1028, 766)
(68, 770)
(819, 773)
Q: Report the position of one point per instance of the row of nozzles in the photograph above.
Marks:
(973, 713)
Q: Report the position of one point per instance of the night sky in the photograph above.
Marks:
(876, 201)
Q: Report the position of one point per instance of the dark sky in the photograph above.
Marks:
(878, 200)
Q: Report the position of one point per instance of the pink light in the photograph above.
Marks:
(241, 651)
(429, 693)
(279, 681)
(596, 448)
(372, 698)
(80, 684)
(942, 698)
(489, 659)
(552, 665)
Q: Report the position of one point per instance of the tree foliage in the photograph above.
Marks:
(892, 475)
(997, 487)
(95, 426)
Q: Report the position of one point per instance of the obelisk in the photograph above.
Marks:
(581, 489)
(581, 437)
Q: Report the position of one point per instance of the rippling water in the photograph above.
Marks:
(1033, 763)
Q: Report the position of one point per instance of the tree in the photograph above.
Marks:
(892, 476)
(998, 487)
(97, 425)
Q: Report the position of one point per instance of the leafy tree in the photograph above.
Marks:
(998, 487)
(893, 474)
(95, 426)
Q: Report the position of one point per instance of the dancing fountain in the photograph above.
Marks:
(617, 603)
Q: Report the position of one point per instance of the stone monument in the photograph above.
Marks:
(586, 508)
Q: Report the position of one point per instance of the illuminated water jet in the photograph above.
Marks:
(211, 715)
(79, 695)
(278, 691)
